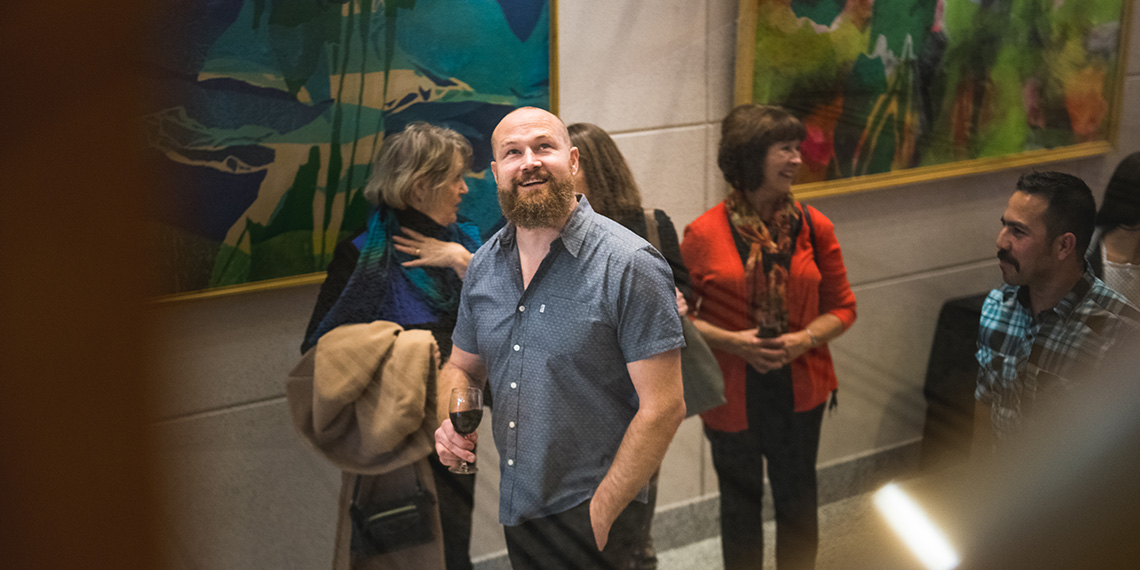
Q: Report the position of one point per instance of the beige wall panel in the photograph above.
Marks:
(669, 165)
(686, 471)
(229, 350)
(722, 58)
(632, 65)
(716, 188)
(881, 361)
(241, 491)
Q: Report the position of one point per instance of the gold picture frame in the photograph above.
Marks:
(800, 63)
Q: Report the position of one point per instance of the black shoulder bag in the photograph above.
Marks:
(391, 525)
(700, 372)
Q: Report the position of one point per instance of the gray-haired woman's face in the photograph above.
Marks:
(444, 209)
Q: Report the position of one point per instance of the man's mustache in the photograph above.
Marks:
(540, 175)
(1005, 256)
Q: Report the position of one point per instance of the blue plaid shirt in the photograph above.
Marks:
(556, 354)
(1025, 360)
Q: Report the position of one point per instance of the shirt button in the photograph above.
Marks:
(514, 385)
(512, 424)
(522, 308)
(517, 348)
(510, 462)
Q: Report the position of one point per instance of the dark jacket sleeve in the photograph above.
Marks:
(671, 249)
(340, 269)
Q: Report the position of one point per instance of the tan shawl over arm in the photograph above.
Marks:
(364, 397)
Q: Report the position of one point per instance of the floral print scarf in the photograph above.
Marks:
(771, 244)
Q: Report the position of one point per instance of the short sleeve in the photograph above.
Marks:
(649, 323)
(464, 336)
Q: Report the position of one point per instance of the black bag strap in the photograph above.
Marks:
(356, 485)
(811, 230)
(652, 235)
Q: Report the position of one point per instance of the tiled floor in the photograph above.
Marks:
(852, 537)
(850, 529)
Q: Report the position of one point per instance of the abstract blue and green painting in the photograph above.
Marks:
(262, 117)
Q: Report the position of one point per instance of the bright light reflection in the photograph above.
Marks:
(917, 531)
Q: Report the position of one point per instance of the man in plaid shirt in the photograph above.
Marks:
(1053, 322)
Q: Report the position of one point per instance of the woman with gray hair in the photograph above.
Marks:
(407, 267)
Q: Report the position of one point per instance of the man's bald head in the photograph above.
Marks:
(525, 117)
(534, 168)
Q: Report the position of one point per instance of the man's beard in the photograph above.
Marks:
(544, 208)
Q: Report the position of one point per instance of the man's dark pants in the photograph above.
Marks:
(566, 540)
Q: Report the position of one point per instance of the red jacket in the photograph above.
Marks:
(718, 286)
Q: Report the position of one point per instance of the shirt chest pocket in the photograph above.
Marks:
(569, 326)
(997, 366)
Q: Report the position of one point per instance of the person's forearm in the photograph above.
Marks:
(462, 260)
(717, 337)
(818, 332)
(825, 328)
(638, 458)
(450, 377)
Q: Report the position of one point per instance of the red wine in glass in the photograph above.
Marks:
(466, 410)
(466, 422)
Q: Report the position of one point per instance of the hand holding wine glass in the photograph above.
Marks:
(465, 407)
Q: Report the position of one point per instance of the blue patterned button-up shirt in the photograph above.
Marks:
(1025, 360)
(556, 354)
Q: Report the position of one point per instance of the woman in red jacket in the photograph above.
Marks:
(770, 291)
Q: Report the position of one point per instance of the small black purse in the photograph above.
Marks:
(392, 525)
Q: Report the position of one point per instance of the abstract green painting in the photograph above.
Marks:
(889, 85)
(262, 116)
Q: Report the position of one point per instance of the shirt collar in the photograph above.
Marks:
(573, 234)
(578, 226)
(1068, 303)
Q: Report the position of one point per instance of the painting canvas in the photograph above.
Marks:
(262, 116)
(885, 86)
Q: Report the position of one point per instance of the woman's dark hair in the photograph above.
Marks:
(746, 134)
(1121, 204)
(612, 190)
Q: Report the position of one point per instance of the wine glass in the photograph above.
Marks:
(466, 410)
